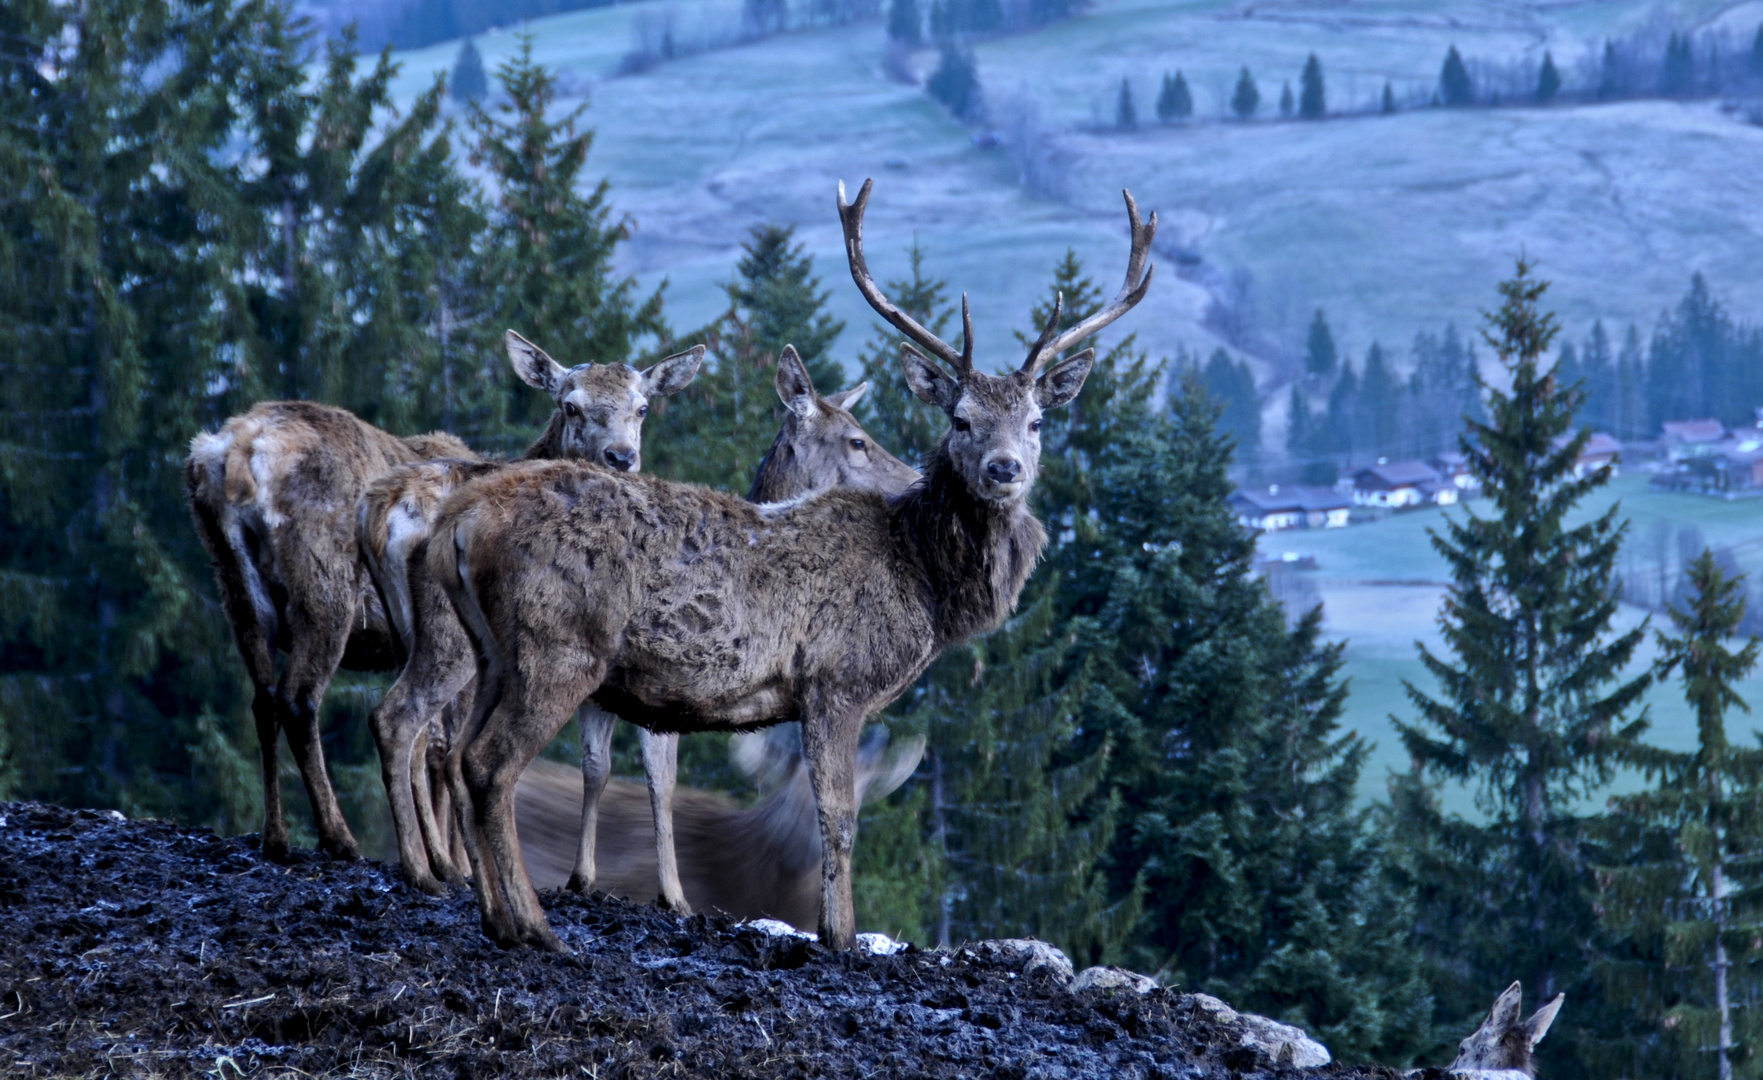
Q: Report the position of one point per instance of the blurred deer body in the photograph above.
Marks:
(682, 609)
(758, 862)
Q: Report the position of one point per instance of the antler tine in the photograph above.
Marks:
(851, 217)
(1038, 349)
(966, 335)
(1138, 280)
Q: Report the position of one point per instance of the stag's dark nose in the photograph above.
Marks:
(1003, 471)
(622, 460)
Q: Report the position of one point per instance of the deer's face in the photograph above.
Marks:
(831, 447)
(994, 435)
(1503, 1041)
(601, 407)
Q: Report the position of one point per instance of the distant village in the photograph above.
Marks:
(1700, 457)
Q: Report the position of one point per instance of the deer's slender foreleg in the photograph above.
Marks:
(266, 713)
(829, 745)
(661, 767)
(596, 737)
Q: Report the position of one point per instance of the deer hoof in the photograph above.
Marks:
(275, 849)
(543, 937)
(579, 885)
(344, 850)
(426, 884)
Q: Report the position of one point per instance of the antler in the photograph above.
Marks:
(851, 217)
(1130, 294)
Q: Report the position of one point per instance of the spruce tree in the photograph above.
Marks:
(468, 82)
(1175, 102)
(1343, 417)
(550, 246)
(1313, 103)
(780, 300)
(1611, 81)
(1261, 881)
(1548, 80)
(1287, 103)
(1531, 699)
(1757, 53)
(1230, 383)
(1245, 101)
(1677, 74)
(1599, 363)
(955, 83)
(1686, 900)
(1320, 357)
(1389, 100)
(1455, 89)
(1379, 392)
(1126, 115)
(905, 23)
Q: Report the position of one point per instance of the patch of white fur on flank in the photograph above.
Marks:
(263, 455)
(208, 450)
(405, 529)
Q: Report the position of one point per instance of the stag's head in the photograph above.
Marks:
(994, 438)
(601, 406)
(823, 441)
(1502, 1042)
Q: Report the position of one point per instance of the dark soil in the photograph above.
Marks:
(141, 948)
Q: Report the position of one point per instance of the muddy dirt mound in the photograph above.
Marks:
(144, 949)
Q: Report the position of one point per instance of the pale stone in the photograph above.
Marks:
(1025, 955)
(1113, 978)
(1283, 1043)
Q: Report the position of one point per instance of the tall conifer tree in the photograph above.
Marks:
(1688, 897)
(1531, 697)
(1313, 102)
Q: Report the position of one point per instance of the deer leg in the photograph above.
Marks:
(661, 766)
(596, 728)
(319, 617)
(829, 745)
(266, 712)
(528, 717)
(397, 724)
(485, 881)
(434, 804)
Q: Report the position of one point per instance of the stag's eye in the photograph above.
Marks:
(961, 425)
(642, 411)
(572, 410)
(1034, 426)
(857, 444)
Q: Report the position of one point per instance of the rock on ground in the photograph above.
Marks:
(140, 948)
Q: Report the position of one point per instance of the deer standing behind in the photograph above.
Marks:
(1500, 1048)
(751, 863)
(274, 495)
(683, 609)
(819, 445)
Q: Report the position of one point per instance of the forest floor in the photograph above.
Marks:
(141, 948)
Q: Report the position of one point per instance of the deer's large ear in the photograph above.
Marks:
(1538, 1025)
(673, 374)
(931, 383)
(1504, 1015)
(1061, 382)
(794, 388)
(847, 399)
(534, 367)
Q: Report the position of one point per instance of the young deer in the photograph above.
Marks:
(757, 862)
(682, 609)
(819, 445)
(1502, 1043)
(274, 494)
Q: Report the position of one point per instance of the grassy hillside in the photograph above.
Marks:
(1393, 224)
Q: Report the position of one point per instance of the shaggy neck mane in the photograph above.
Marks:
(774, 469)
(549, 445)
(975, 555)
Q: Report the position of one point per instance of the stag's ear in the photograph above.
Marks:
(534, 367)
(1504, 1016)
(847, 399)
(1538, 1025)
(794, 388)
(931, 383)
(673, 374)
(1060, 383)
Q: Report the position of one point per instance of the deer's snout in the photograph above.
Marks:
(622, 458)
(1004, 470)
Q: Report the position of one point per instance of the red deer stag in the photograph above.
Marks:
(752, 863)
(274, 495)
(819, 445)
(683, 609)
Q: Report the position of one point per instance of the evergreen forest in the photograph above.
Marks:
(201, 208)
